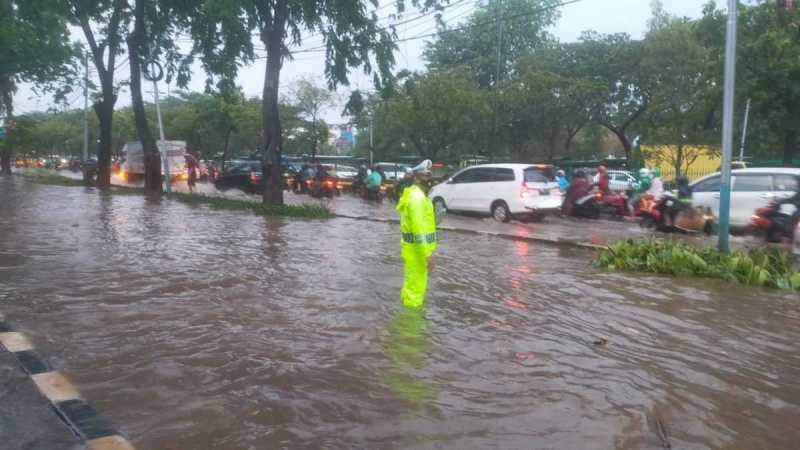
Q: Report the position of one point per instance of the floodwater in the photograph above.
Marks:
(198, 329)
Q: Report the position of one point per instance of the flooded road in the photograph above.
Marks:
(198, 329)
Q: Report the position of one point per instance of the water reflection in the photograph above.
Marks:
(407, 347)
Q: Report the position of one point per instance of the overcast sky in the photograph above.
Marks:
(605, 16)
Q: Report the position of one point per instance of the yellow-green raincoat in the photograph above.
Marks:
(418, 228)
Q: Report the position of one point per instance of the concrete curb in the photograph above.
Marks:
(542, 240)
(79, 416)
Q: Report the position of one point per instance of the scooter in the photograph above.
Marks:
(690, 220)
(612, 203)
(374, 194)
(326, 188)
(587, 207)
(774, 221)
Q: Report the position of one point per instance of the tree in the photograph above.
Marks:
(311, 100)
(34, 47)
(768, 70)
(545, 111)
(684, 97)
(439, 114)
(350, 32)
(518, 26)
(613, 61)
(103, 23)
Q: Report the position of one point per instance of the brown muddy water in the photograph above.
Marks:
(198, 329)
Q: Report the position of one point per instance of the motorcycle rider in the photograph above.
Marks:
(579, 188)
(656, 188)
(602, 179)
(373, 184)
(563, 183)
(681, 202)
(642, 186)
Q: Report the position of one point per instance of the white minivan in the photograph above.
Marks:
(500, 190)
(750, 189)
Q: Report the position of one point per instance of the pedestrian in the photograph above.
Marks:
(563, 183)
(191, 168)
(418, 228)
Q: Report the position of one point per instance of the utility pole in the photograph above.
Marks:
(86, 110)
(371, 147)
(499, 21)
(744, 130)
(163, 145)
(727, 128)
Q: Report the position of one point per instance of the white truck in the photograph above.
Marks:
(132, 167)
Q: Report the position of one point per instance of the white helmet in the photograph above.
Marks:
(643, 172)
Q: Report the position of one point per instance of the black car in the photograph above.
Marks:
(244, 175)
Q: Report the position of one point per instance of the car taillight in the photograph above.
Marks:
(329, 183)
(254, 176)
(383, 188)
(527, 190)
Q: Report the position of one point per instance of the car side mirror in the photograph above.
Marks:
(449, 181)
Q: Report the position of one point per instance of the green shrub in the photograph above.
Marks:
(762, 267)
(43, 176)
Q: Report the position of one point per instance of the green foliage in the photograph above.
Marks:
(474, 49)
(49, 177)
(761, 267)
(301, 211)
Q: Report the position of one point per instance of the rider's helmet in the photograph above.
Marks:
(560, 173)
(644, 172)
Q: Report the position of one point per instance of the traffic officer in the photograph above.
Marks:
(418, 228)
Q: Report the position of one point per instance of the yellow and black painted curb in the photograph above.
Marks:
(79, 416)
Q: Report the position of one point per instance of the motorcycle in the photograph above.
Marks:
(374, 194)
(327, 187)
(612, 203)
(774, 222)
(587, 207)
(689, 220)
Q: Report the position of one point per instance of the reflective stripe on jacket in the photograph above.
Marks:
(417, 220)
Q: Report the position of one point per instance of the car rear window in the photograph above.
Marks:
(535, 176)
(784, 182)
(709, 185)
(752, 183)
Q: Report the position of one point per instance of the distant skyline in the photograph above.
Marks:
(604, 16)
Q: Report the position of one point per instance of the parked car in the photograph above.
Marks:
(500, 190)
(751, 189)
(241, 174)
(619, 180)
(393, 171)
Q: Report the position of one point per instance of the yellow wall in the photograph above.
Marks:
(663, 155)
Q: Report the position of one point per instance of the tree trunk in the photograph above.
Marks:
(789, 143)
(152, 160)
(678, 161)
(271, 156)
(227, 147)
(623, 139)
(5, 163)
(105, 115)
(313, 138)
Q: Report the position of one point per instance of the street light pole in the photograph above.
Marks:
(86, 110)
(727, 129)
(164, 158)
(744, 130)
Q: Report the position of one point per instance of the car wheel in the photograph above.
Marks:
(500, 211)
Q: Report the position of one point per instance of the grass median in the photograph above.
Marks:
(761, 267)
(300, 211)
(43, 176)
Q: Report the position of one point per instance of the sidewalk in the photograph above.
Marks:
(27, 420)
